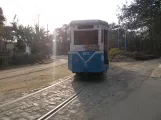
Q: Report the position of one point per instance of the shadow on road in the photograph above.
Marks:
(105, 91)
(90, 78)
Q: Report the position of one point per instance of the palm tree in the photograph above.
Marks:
(39, 36)
(28, 34)
(24, 35)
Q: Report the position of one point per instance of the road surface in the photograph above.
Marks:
(129, 91)
(18, 82)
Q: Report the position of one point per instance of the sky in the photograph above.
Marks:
(58, 12)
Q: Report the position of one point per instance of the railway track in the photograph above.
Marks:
(29, 95)
(60, 106)
(30, 72)
(49, 115)
(36, 104)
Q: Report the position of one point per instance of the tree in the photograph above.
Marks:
(24, 35)
(61, 39)
(8, 34)
(30, 35)
(39, 36)
(144, 16)
(2, 19)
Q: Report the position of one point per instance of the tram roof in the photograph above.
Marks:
(88, 22)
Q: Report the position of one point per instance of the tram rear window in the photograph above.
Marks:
(85, 26)
(85, 37)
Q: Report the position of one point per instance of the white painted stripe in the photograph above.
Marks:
(74, 52)
(81, 57)
(99, 52)
(90, 57)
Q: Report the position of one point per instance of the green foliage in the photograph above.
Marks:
(34, 36)
(21, 59)
(144, 16)
(8, 33)
(2, 19)
(61, 40)
(114, 52)
(140, 55)
(129, 54)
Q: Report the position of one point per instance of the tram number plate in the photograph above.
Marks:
(86, 53)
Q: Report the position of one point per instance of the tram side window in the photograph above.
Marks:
(85, 37)
(105, 37)
(105, 47)
(102, 37)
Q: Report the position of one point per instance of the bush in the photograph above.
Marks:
(114, 52)
(1, 62)
(129, 54)
(4, 61)
(142, 56)
(26, 59)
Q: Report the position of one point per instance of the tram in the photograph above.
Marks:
(88, 49)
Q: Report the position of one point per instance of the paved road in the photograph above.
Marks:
(127, 92)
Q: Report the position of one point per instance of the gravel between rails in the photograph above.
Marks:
(60, 106)
(35, 106)
(31, 94)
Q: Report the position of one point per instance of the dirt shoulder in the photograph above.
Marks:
(29, 69)
(14, 87)
(157, 71)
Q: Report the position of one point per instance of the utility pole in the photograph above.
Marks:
(118, 34)
(47, 31)
(38, 19)
(47, 42)
(118, 38)
(108, 39)
(125, 41)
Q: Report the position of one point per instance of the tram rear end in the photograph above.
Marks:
(88, 46)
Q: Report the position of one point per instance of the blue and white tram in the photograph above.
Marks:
(88, 51)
